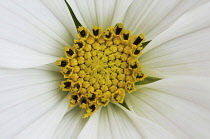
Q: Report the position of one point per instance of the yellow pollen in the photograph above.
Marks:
(101, 66)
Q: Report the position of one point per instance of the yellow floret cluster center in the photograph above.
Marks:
(101, 66)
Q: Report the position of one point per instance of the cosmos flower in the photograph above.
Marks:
(172, 102)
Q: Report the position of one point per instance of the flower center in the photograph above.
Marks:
(101, 66)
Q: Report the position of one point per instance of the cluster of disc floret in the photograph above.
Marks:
(101, 66)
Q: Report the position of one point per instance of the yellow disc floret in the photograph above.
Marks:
(101, 66)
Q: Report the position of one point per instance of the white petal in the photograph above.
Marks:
(151, 17)
(101, 13)
(71, 124)
(61, 11)
(45, 126)
(90, 130)
(104, 124)
(113, 122)
(119, 125)
(180, 105)
(194, 20)
(14, 79)
(30, 25)
(148, 129)
(184, 56)
(182, 49)
(49, 67)
(13, 55)
(25, 95)
(193, 89)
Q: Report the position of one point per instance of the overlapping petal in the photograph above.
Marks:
(26, 95)
(61, 11)
(182, 50)
(152, 17)
(45, 126)
(184, 56)
(194, 20)
(71, 124)
(179, 105)
(17, 56)
(50, 67)
(34, 31)
(103, 13)
(113, 122)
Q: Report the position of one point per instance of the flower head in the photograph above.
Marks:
(102, 69)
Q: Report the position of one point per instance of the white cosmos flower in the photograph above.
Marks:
(33, 35)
